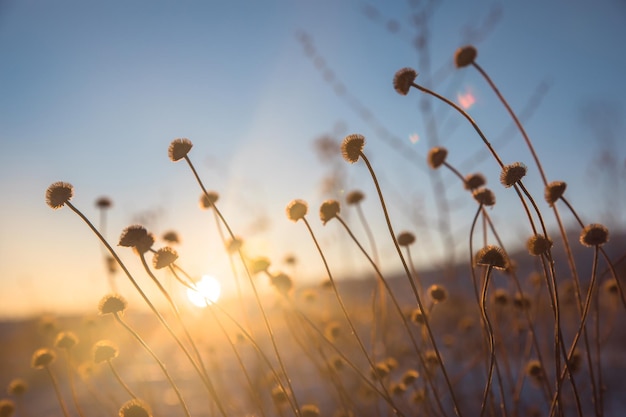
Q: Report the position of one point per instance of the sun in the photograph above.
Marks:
(208, 291)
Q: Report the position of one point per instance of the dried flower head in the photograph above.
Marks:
(309, 410)
(164, 257)
(437, 293)
(112, 304)
(397, 388)
(332, 331)
(136, 236)
(576, 361)
(534, 369)
(417, 317)
(512, 173)
(594, 235)
(42, 358)
(554, 191)
(403, 80)
(430, 357)
(501, 297)
(104, 350)
(104, 203)
(406, 238)
(474, 181)
(234, 244)
(492, 256)
(17, 387)
(296, 210)
(179, 148)
(610, 286)
(7, 407)
(354, 197)
(538, 245)
(58, 194)
(484, 196)
(419, 396)
(329, 210)
(208, 200)
(171, 237)
(352, 147)
(521, 301)
(135, 408)
(437, 156)
(278, 395)
(380, 371)
(465, 56)
(259, 264)
(66, 340)
(410, 376)
(282, 283)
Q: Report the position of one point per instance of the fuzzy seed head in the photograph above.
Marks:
(164, 257)
(136, 236)
(492, 256)
(406, 238)
(135, 408)
(309, 410)
(66, 340)
(208, 200)
(352, 147)
(410, 376)
(521, 301)
(403, 80)
(501, 297)
(104, 350)
(512, 173)
(104, 203)
(437, 293)
(537, 245)
(296, 210)
(354, 197)
(278, 395)
(259, 264)
(179, 148)
(610, 286)
(171, 237)
(397, 389)
(17, 387)
(417, 317)
(554, 191)
(534, 369)
(42, 358)
(474, 181)
(329, 210)
(484, 196)
(380, 371)
(465, 56)
(7, 407)
(332, 331)
(234, 244)
(58, 194)
(594, 235)
(282, 282)
(111, 304)
(437, 156)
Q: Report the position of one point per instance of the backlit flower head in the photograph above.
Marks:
(234, 244)
(42, 358)
(17, 387)
(171, 237)
(354, 197)
(492, 256)
(104, 350)
(484, 196)
(403, 80)
(104, 203)
(282, 283)
(465, 56)
(329, 210)
(352, 147)
(164, 257)
(474, 181)
(538, 245)
(437, 156)
(410, 376)
(554, 191)
(309, 410)
(512, 173)
(208, 200)
(7, 407)
(136, 236)
(135, 408)
(66, 340)
(296, 210)
(259, 264)
(58, 194)
(437, 293)
(405, 238)
(594, 235)
(179, 148)
(111, 304)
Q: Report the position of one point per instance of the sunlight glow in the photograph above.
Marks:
(466, 99)
(414, 138)
(208, 291)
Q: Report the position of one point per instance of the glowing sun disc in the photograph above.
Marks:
(208, 291)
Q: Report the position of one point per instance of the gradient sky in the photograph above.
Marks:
(92, 93)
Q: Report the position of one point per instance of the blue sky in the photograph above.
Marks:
(93, 93)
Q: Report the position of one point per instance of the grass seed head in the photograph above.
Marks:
(164, 257)
(594, 235)
(329, 210)
(58, 194)
(403, 80)
(296, 210)
(464, 56)
(511, 174)
(179, 148)
(352, 147)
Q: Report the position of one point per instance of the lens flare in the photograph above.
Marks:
(466, 99)
(208, 291)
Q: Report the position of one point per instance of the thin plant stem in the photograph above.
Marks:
(119, 379)
(70, 376)
(57, 391)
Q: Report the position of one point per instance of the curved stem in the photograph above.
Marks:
(57, 391)
(119, 379)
